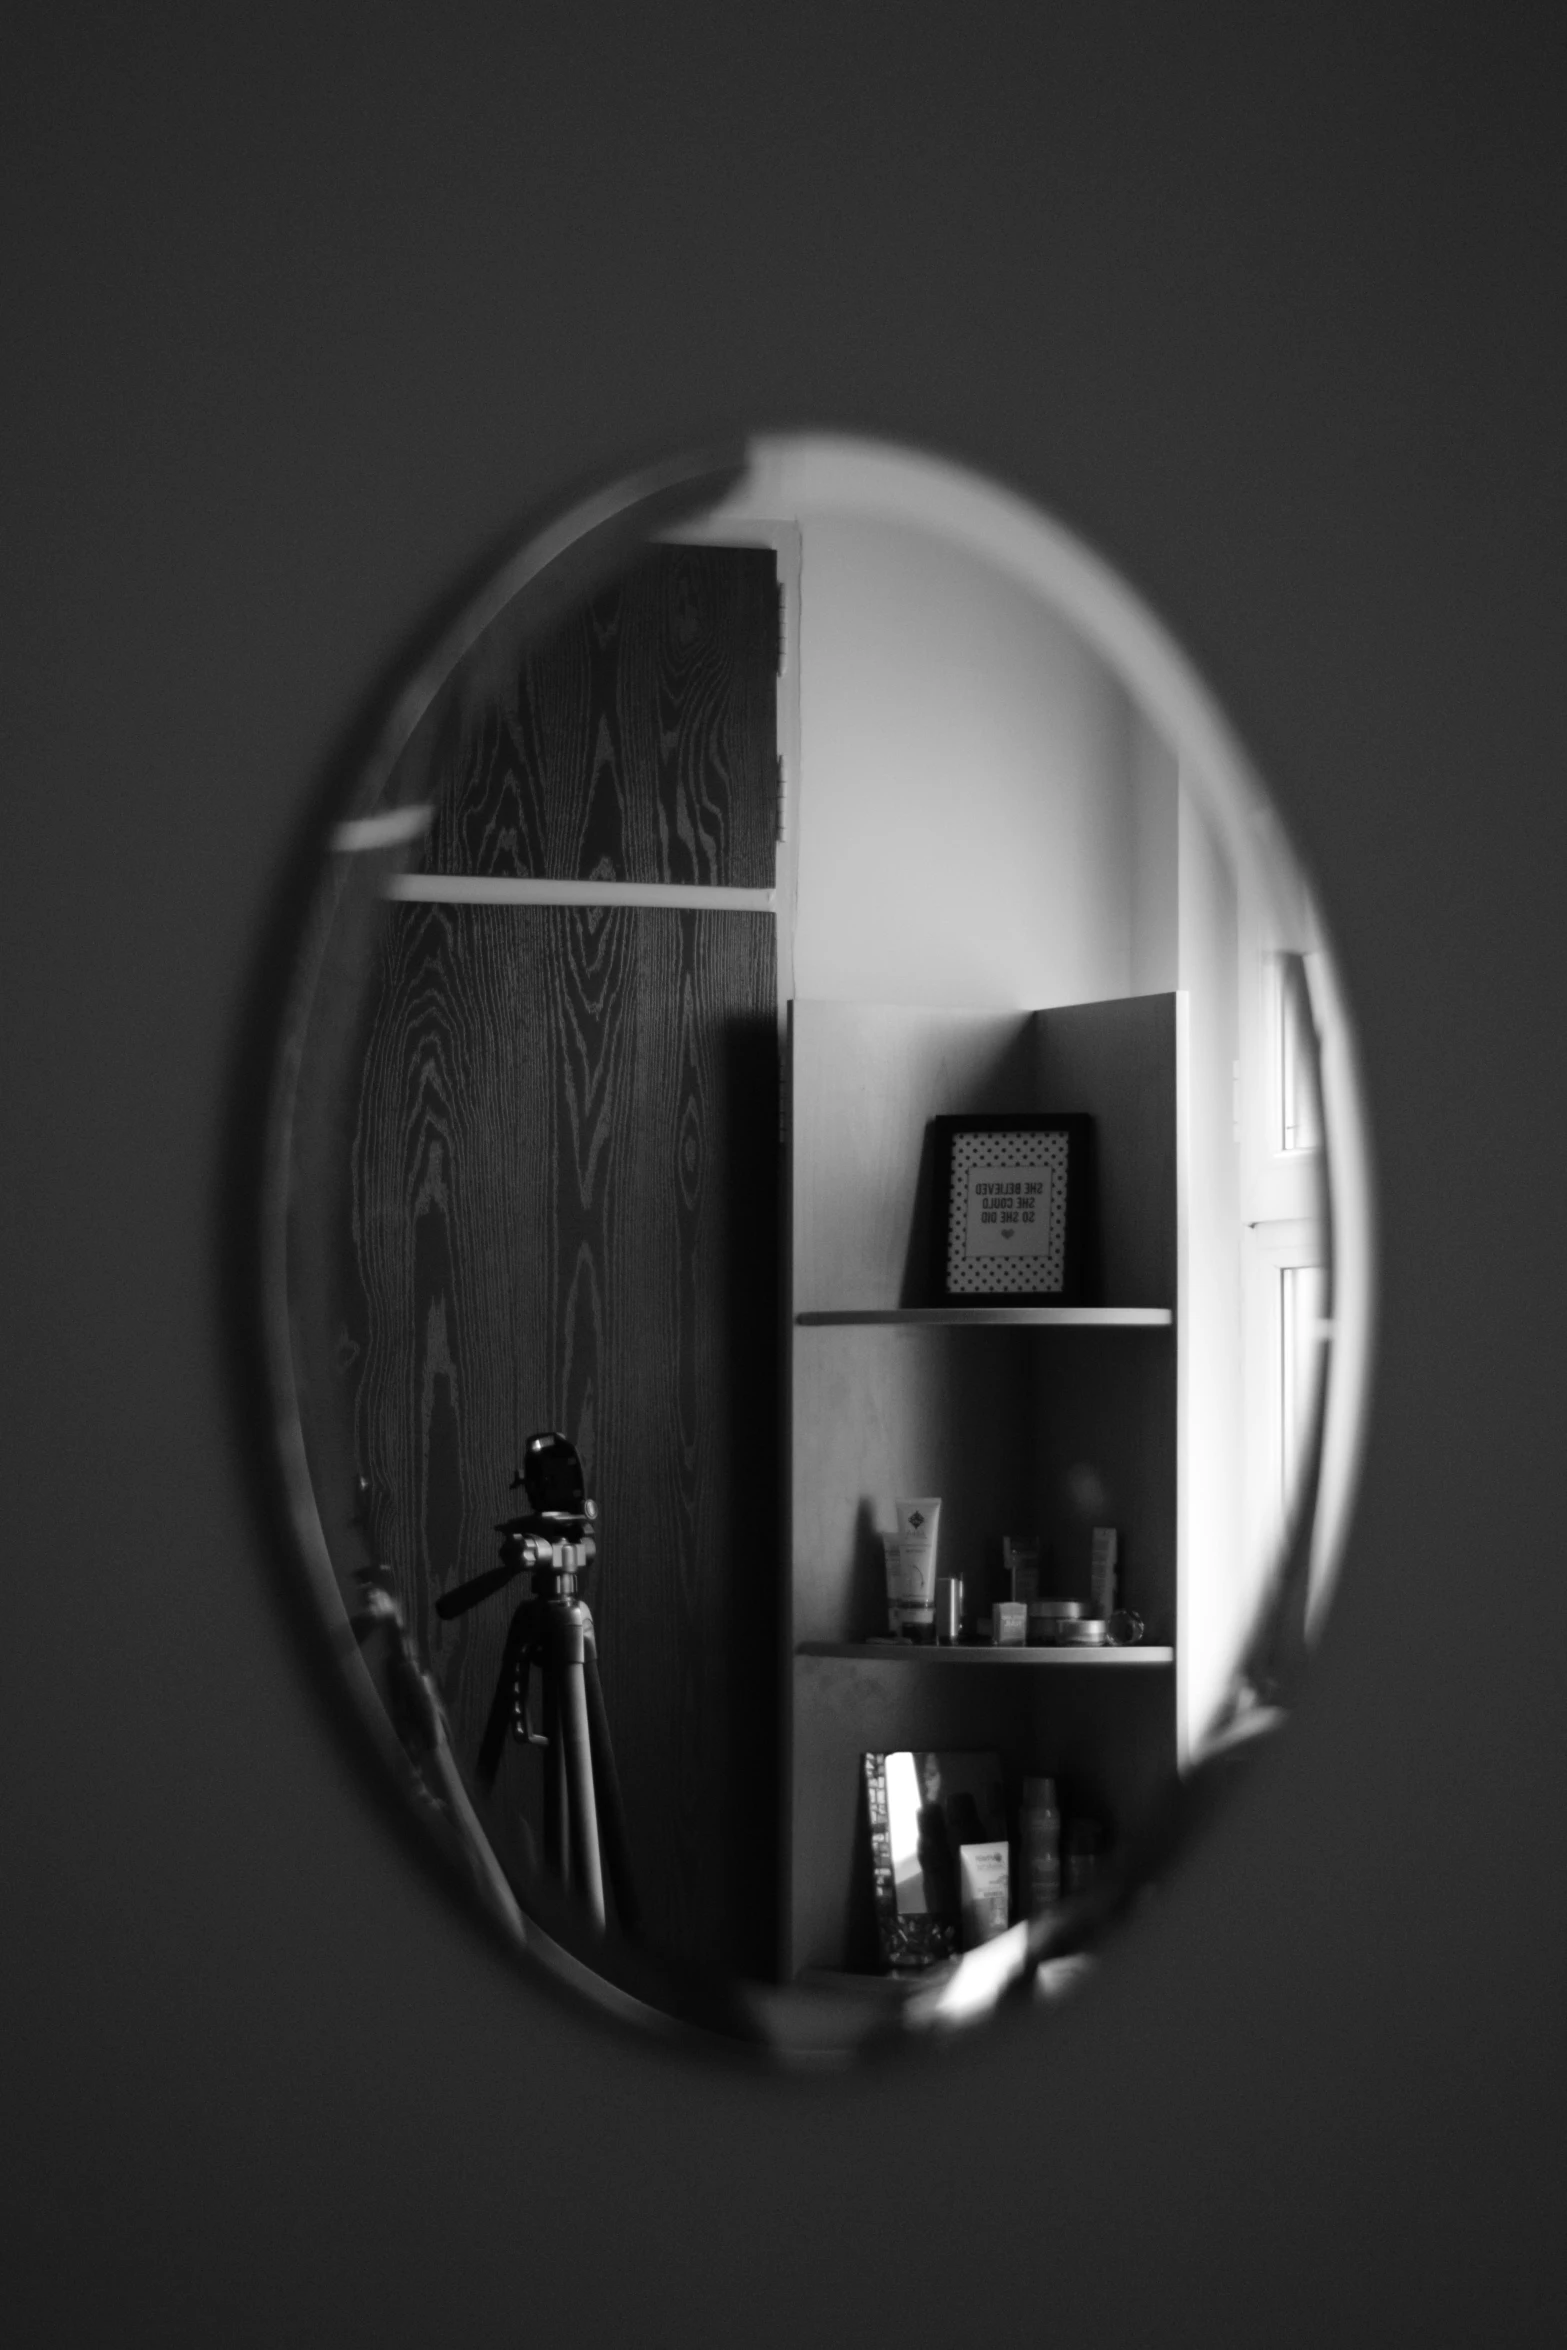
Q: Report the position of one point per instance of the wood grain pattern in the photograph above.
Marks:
(562, 1206)
(636, 741)
(565, 1214)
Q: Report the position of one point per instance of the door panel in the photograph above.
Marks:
(636, 742)
(565, 1214)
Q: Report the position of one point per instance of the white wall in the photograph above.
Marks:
(1156, 846)
(964, 808)
(982, 817)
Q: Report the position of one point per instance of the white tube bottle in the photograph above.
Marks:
(919, 1523)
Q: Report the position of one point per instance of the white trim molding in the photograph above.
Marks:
(485, 889)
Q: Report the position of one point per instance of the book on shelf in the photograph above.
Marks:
(924, 1810)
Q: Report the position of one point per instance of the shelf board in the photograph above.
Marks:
(998, 1317)
(909, 1652)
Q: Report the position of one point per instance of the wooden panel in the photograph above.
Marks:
(1117, 1060)
(880, 1413)
(636, 741)
(565, 1192)
(866, 1081)
(1103, 1453)
(1020, 1432)
(1106, 1738)
(1106, 1432)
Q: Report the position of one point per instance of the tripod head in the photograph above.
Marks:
(550, 1538)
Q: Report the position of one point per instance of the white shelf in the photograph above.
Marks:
(910, 1652)
(997, 1317)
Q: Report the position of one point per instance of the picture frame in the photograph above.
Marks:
(1034, 1164)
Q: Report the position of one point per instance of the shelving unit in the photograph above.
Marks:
(1023, 1418)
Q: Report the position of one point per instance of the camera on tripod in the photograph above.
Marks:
(553, 1532)
(552, 1631)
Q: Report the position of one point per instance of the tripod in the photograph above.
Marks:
(552, 1630)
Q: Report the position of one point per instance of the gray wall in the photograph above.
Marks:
(299, 317)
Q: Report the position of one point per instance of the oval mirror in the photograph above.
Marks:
(816, 1250)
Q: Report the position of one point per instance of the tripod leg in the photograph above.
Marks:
(612, 1818)
(492, 1744)
(557, 1817)
(586, 1874)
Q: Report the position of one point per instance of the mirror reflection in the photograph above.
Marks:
(817, 1262)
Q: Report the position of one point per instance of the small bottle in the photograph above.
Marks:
(1020, 1564)
(1040, 1843)
(1103, 1562)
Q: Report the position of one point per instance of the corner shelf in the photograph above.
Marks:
(994, 1317)
(908, 1652)
(1003, 1425)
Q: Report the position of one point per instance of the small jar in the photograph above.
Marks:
(1046, 1616)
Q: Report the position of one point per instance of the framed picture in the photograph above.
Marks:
(1010, 1208)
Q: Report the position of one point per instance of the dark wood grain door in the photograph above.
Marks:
(566, 1214)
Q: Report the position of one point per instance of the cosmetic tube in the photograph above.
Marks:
(910, 1615)
(919, 1522)
(984, 1871)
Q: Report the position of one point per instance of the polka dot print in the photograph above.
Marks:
(991, 1245)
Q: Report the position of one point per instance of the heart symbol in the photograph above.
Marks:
(1007, 1231)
